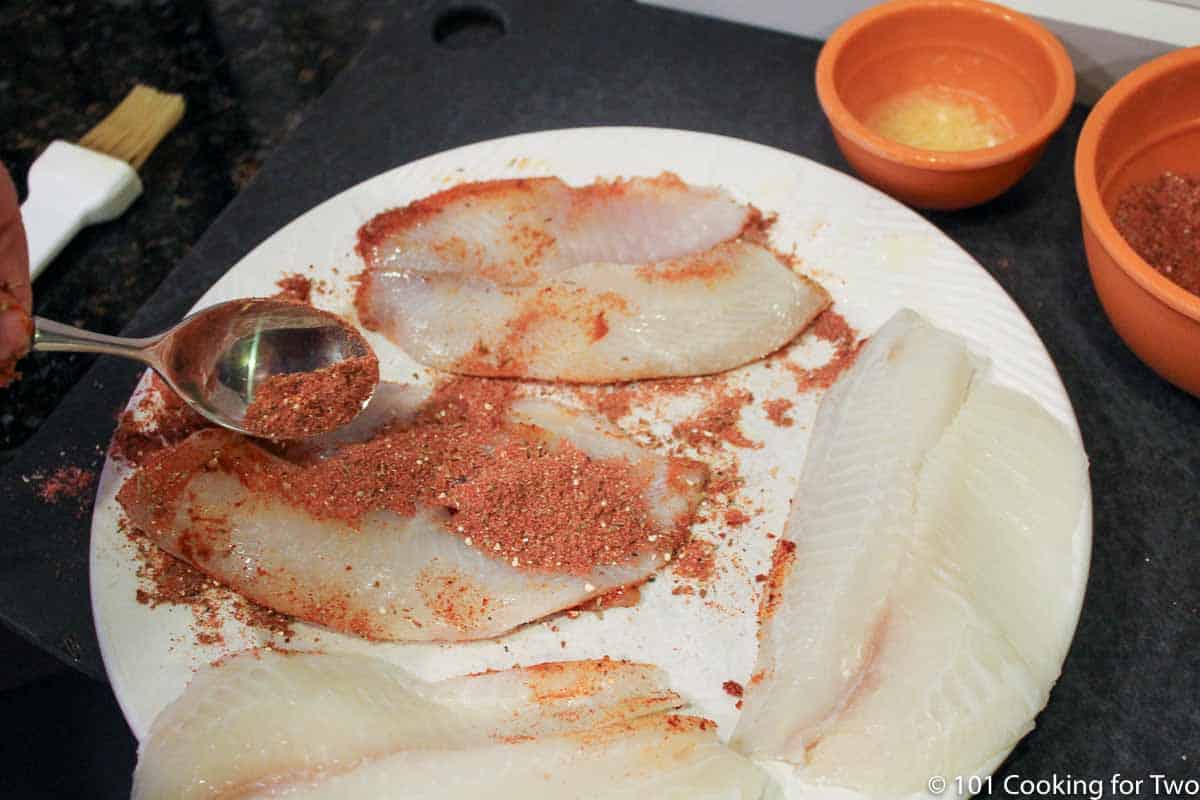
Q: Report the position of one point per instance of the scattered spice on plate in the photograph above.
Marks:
(301, 404)
(161, 419)
(696, 560)
(736, 518)
(301, 288)
(618, 400)
(256, 616)
(294, 286)
(733, 688)
(777, 412)
(614, 403)
(833, 328)
(1161, 221)
(165, 580)
(718, 422)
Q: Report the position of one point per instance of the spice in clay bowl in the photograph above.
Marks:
(1161, 221)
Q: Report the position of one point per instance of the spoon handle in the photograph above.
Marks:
(54, 336)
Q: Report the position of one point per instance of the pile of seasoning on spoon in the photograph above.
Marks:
(301, 404)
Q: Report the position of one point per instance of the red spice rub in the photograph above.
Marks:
(518, 495)
(165, 580)
(831, 327)
(777, 412)
(1161, 221)
(614, 404)
(66, 483)
(736, 518)
(294, 286)
(555, 509)
(696, 560)
(781, 564)
(725, 482)
(302, 404)
(733, 688)
(166, 421)
(718, 422)
(617, 400)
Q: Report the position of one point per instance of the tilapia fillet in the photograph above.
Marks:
(920, 629)
(386, 575)
(609, 282)
(270, 724)
(852, 520)
(517, 232)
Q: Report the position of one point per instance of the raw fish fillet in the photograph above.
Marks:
(609, 282)
(920, 629)
(664, 756)
(388, 576)
(594, 323)
(852, 521)
(978, 628)
(519, 231)
(271, 724)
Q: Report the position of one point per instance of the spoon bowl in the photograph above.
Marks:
(217, 358)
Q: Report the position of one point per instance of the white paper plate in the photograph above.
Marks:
(872, 254)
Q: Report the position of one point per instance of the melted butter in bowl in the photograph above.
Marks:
(941, 118)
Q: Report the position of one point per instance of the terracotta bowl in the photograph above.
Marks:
(1149, 122)
(1009, 61)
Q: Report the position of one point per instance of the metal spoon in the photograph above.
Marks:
(216, 357)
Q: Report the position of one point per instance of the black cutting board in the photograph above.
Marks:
(1129, 698)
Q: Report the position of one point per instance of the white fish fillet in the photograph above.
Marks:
(852, 520)
(601, 322)
(608, 282)
(964, 636)
(270, 724)
(517, 231)
(390, 576)
(976, 636)
(664, 757)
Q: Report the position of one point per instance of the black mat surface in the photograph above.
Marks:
(1129, 698)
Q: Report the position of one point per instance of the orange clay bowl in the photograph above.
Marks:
(1149, 122)
(1006, 59)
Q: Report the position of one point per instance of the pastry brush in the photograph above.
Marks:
(75, 185)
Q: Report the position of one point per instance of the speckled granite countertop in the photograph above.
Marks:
(1128, 700)
(247, 69)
